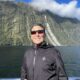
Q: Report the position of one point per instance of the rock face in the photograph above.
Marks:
(17, 18)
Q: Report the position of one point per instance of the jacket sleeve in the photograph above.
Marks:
(60, 67)
(23, 70)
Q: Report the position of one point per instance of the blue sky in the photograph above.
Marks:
(59, 1)
(23, 0)
(67, 1)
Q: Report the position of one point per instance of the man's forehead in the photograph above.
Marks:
(37, 28)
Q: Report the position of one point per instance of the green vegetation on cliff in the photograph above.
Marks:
(17, 18)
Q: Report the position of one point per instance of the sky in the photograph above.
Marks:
(59, 1)
(63, 8)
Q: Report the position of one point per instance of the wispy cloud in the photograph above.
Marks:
(64, 10)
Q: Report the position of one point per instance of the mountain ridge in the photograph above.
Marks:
(17, 18)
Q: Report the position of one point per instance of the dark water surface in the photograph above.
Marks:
(11, 60)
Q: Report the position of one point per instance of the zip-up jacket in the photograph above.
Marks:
(43, 63)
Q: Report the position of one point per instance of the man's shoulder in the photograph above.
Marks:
(53, 49)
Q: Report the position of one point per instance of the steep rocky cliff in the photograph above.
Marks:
(17, 18)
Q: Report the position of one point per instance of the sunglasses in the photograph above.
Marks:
(38, 31)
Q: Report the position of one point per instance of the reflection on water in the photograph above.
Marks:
(74, 78)
(71, 58)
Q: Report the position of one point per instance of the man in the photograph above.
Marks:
(42, 61)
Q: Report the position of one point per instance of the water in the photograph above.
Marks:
(11, 58)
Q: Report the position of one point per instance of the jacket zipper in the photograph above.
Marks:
(34, 63)
(34, 59)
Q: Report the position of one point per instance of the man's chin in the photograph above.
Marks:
(38, 42)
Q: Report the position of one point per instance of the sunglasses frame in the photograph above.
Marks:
(37, 31)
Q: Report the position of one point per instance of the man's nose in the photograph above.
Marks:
(37, 33)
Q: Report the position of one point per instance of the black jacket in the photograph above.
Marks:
(43, 63)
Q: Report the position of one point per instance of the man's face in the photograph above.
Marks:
(37, 34)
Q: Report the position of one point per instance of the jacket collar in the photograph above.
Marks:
(42, 45)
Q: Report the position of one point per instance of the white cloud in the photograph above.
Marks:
(65, 10)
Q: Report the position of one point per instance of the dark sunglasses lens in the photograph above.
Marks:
(33, 32)
(41, 31)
